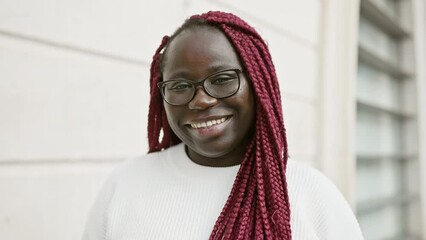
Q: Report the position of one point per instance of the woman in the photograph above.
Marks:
(218, 165)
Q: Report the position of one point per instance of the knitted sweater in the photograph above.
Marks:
(165, 195)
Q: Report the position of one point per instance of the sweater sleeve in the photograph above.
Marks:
(96, 224)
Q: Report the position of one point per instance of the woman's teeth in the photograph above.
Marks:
(208, 123)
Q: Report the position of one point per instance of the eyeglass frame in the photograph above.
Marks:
(195, 84)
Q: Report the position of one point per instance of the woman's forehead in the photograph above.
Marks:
(201, 48)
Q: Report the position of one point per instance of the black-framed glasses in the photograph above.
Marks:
(221, 84)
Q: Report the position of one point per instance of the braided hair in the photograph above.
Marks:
(258, 205)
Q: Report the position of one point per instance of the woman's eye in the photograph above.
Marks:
(179, 86)
(222, 80)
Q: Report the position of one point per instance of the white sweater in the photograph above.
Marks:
(165, 195)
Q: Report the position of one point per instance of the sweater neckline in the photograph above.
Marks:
(179, 160)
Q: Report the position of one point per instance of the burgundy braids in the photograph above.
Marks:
(157, 120)
(258, 205)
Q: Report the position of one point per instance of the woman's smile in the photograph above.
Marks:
(208, 123)
(210, 128)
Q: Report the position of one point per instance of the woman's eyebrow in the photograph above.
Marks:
(220, 67)
(185, 74)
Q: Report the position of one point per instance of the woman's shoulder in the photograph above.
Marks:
(317, 204)
(147, 164)
(310, 186)
(304, 179)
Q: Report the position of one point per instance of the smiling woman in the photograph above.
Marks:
(221, 168)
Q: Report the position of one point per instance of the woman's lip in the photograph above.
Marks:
(210, 131)
(208, 123)
(205, 119)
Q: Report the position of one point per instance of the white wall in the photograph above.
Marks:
(74, 95)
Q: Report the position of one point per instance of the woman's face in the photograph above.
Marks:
(193, 55)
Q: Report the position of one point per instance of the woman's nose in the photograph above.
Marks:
(201, 100)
